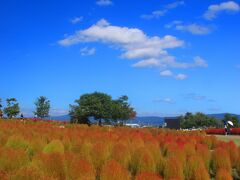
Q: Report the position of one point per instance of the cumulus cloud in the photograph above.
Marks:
(154, 14)
(87, 51)
(149, 51)
(214, 10)
(167, 61)
(166, 73)
(104, 2)
(165, 100)
(181, 76)
(159, 13)
(132, 41)
(76, 20)
(174, 5)
(192, 28)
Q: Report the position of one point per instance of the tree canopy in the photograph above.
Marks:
(197, 120)
(42, 107)
(101, 107)
(12, 108)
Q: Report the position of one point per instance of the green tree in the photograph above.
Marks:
(1, 111)
(234, 119)
(12, 108)
(122, 110)
(197, 120)
(42, 107)
(96, 105)
(101, 107)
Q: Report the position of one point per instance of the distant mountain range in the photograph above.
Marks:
(147, 120)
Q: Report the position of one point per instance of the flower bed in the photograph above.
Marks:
(221, 131)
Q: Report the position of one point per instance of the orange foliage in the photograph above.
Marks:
(173, 169)
(28, 173)
(121, 154)
(195, 169)
(81, 169)
(142, 161)
(11, 160)
(148, 176)
(221, 160)
(43, 150)
(114, 171)
(204, 153)
(223, 174)
(52, 164)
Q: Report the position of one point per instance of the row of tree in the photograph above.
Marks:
(200, 120)
(95, 106)
(12, 108)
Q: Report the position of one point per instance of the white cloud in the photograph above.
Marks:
(174, 4)
(165, 100)
(104, 2)
(192, 28)
(76, 20)
(147, 63)
(166, 73)
(87, 51)
(154, 14)
(134, 44)
(159, 13)
(167, 61)
(214, 10)
(181, 76)
(132, 41)
(200, 62)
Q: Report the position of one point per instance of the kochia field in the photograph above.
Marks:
(52, 150)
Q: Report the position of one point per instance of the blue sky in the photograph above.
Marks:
(169, 57)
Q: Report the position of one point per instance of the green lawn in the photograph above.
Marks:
(235, 139)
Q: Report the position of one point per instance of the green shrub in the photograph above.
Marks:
(19, 143)
(54, 146)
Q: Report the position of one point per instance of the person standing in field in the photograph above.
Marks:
(225, 127)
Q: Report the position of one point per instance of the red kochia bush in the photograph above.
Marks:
(221, 160)
(81, 169)
(223, 174)
(233, 152)
(142, 161)
(203, 152)
(99, 155)
(173, 169)
(195, 169)
(11, 160)
(147, 176)
(52, 164)
(112, 170)
(121, 154)
(29, 173)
